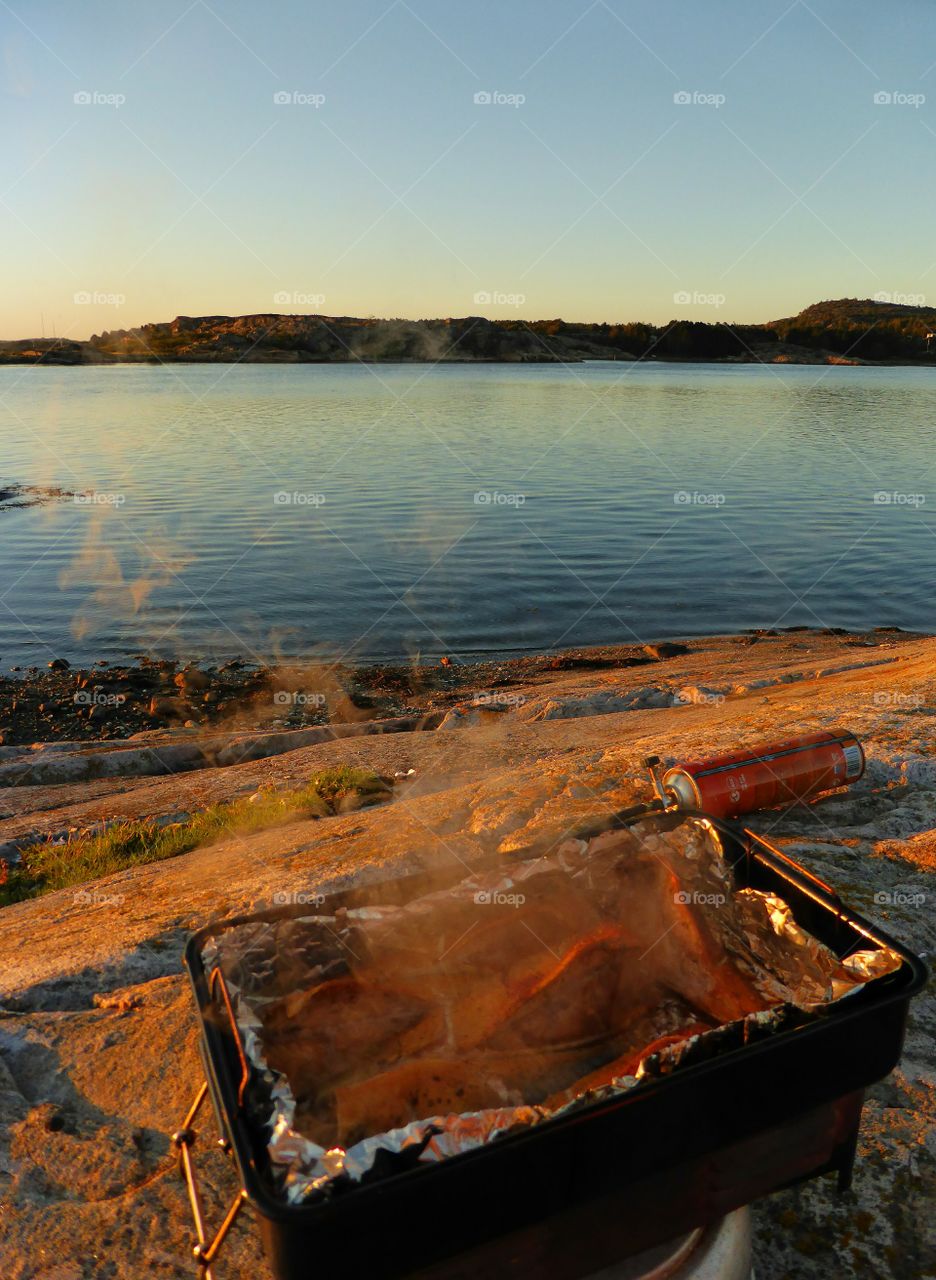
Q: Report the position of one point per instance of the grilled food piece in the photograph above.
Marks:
(316, 1037)
(554, 982)
(427, 1087)
(421, 1088)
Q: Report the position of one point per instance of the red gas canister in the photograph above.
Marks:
(764, 777)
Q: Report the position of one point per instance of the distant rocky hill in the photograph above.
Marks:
(877, 329)
(845, 330)
(864, 311)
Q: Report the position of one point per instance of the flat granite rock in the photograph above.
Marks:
(97, 1034)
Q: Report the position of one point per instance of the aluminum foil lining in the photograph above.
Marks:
(264, 961)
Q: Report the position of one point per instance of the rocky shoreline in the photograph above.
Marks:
(108, 701)
(61, 354)
(98, 1046)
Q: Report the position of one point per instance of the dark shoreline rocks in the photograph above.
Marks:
(117, 701)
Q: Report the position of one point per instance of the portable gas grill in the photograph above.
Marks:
(747, 1116)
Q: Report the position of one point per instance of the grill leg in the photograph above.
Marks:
(204, 1251)
(846, 1166)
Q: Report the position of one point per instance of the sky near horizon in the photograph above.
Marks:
(602, 160)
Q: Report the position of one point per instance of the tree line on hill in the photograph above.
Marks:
(873, 330)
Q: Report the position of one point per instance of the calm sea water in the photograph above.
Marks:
(388, 511)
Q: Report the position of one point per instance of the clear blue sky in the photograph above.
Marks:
(599, 197)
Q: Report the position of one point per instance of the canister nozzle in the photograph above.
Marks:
(653, 764)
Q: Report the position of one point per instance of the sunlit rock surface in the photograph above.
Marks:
(97, 1034)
